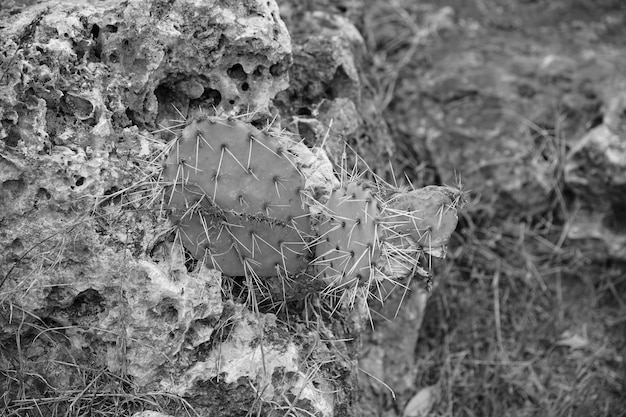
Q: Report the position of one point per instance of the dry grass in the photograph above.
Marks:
(513, 331)
(519, 323)
(43, 375)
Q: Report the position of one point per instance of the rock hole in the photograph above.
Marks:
(14, 188)
(210, 98)
(80, 181)
(303, 111)
(79, 107)
(95, 31)
(132, 116)
(166, 310)
(212, 95)
(340, 85)
(237, 72)
(258, 71)
(278, 69)
(245, 87)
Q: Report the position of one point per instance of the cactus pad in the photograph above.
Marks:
(235, 192)
(348, 237)
(427, 215)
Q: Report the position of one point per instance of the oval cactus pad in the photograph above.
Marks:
(427, 215)
(235, 192)
(348, 237)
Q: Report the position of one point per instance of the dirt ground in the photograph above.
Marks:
(522, 320)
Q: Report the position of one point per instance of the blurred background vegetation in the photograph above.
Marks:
(527, 318)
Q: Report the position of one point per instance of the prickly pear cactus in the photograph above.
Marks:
(348, 238)
(428, 215)
(235, 194)
(241, 199)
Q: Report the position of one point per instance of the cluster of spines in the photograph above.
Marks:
(347, 245)
(427, 216)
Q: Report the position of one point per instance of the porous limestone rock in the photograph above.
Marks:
(259, 355)
(91, 284)
(142, 63)
(329, 100)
